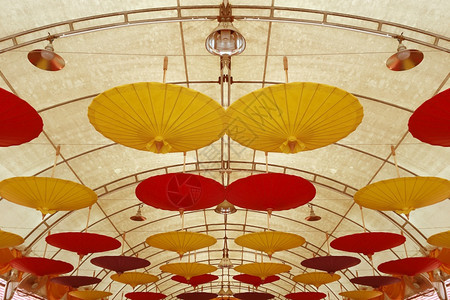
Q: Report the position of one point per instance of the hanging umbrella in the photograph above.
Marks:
(368, 242)
(75, 281)
(316, 278)
(331, 264)
(145, 296)
(134, 278)
(19, 121)
(403, 195)
(375, 281)
(180, 192)
(90, 295)
(262, 270)
(120, 263)
(293, 117)
(8, 239)
(256, 281)
(440, 239)
(409, 266)
(82, 242)
(187, 270)
(180, 241)
(306, 296)
(196, 280)
(157, 117)
(270, 241)
(361, 295)
(46, 194)
(253, 296)
(197, 296)
(40, 266)
(430, 122)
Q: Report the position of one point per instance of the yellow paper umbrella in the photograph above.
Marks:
(134, 278)
(89, 295)
(262, 270)
(270, 241)
(8, 239)
(180, 241)
(440, 239)
(361, 295)
(46, 194)
(188, 270)
(293, 117)
(403, 195)
(157, 117)
(316, 278)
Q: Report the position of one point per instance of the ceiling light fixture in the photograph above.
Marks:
(46, 59)
(225, 208)
(138, 216)
(404, 59)
(312, 216)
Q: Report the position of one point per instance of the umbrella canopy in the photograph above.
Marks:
(262, 270)
(316, 278)
(270, 241)
(75, 281)
(403, 195)
(361, 295)
(430, 122)
(188, 270)
(145, 296)
(180, 241)
(90, 295)
(293, 117)
(197, 296)
(82, 242)
(157, 117)
(180, 192)
(253, 296)
(196, 280)
(441, 239)
(331, 264)
(270, 192)
(19, 121)
(375, 281)
(134, 278)
(256, 281)
(120, 263)
(8, 239)
(46, 194)
(368, 242)
(306, 296)
(409, 266)
(40, 266)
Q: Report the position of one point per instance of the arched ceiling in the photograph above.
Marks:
(111, 43)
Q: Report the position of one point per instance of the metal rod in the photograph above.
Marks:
(58, 151)
(395, 160)
(362, 218)
(88, 217)
(165, 64)
(285, 66)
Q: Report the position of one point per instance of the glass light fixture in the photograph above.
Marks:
(46, 59)
(404, 59)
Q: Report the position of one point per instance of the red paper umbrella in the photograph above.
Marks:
(368, 242)
(430, 123)
(120, 264)
(375, 281)
(410, 266)
(255, 280)
(40, 266)
(270, 192)
(145, 296)
(196, 280)
(331, 264)
(197, 296)
(180, 192)
(82, 242)
(306, 296)
(19, 122)
(253, 296)
(75, 281)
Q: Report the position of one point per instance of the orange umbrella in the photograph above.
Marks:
(47, 194)
(157, 117)
(134, 278)
(361, 295)
(188, 270)
(8, 239)
(262, 270)
(403, 195)
(270, 241)
(440, 239)
(89, 295)
(316, 278)
(180, 241)
(293, 117)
